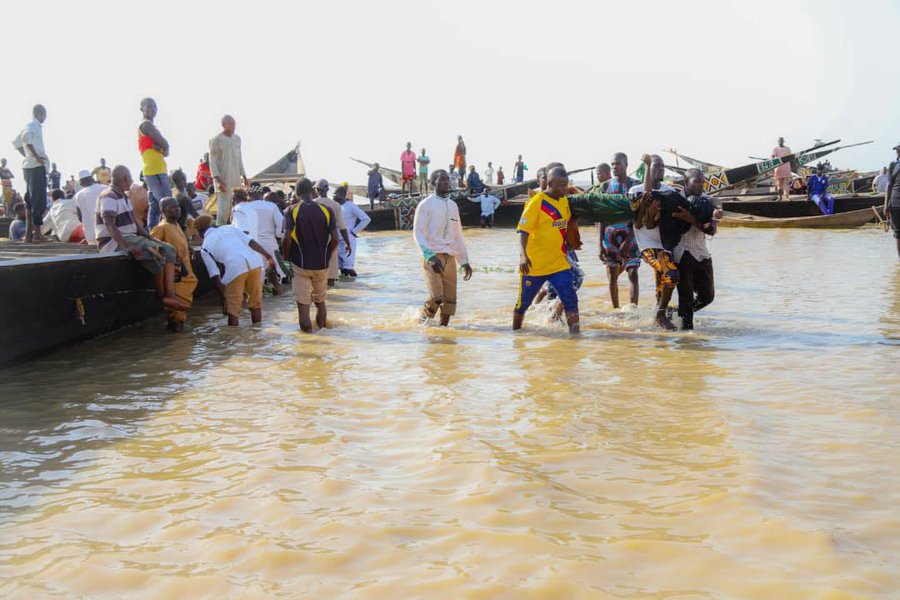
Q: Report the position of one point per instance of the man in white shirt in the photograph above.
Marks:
(227, 167)
(30, 144)
(242, 216)
(62, 219)
(269, 224)
(356, 220)
(489, 205)
(489, 174)
(438, 232)
(86, 204)
(242, 258)
(880, 183)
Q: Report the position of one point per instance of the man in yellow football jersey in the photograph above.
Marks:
(542, 234)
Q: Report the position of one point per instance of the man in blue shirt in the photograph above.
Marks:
(474, 181)
(817, 191)
(376, 186)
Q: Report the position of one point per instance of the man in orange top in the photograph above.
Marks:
(459, 158)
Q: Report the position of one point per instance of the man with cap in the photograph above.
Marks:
(892, 198)
(86, 204)
(334, 269)
(227, 167)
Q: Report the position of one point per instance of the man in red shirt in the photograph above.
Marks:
(204, 175)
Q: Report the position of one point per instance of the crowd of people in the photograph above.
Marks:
(251, 236)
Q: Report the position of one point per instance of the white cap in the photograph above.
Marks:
(84, 174)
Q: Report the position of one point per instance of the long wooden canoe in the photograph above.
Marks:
(845, 220)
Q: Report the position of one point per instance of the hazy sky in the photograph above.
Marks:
(563, 80)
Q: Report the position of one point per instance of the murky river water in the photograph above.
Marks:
(756, 457)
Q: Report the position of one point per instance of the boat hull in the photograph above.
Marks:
(800, 207)
(845, 220)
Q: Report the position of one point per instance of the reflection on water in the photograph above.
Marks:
(384, 459)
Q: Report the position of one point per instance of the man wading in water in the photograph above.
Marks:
(542, 235)
(438, 232)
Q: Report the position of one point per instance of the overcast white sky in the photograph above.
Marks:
(564, 80)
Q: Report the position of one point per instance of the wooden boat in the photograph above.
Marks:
(845, 220)
(797, 206)
(81, 294)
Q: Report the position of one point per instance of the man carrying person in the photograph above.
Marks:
(310, 242)
(437, 230)
(356, 220)
(226, 164)
(892, 198)
(375, 187)
(242, 259)
(542, 236)
(423, 161)
(30, 144)
(102, 173)
(334, 268)
(817, 191)
(782, 174)
(153, 148)
(489, 205)
(6, 177)
(170, 231)
(618, 248)
(696, 285)
(407, 169)
(117, 229)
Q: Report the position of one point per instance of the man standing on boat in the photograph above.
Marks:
(375, 188)
(226, 164)
(30, 144)
(519, 170)
(153, 148)
(817, 191)
(782, 174)
(439, 235)
(423, 161)
(489, 174)
(459, 157)
(892, 198)
(407, 169)
(6, 177)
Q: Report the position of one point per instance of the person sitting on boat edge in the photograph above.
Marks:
(170, 231)
(817, 191)
(118, 229)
